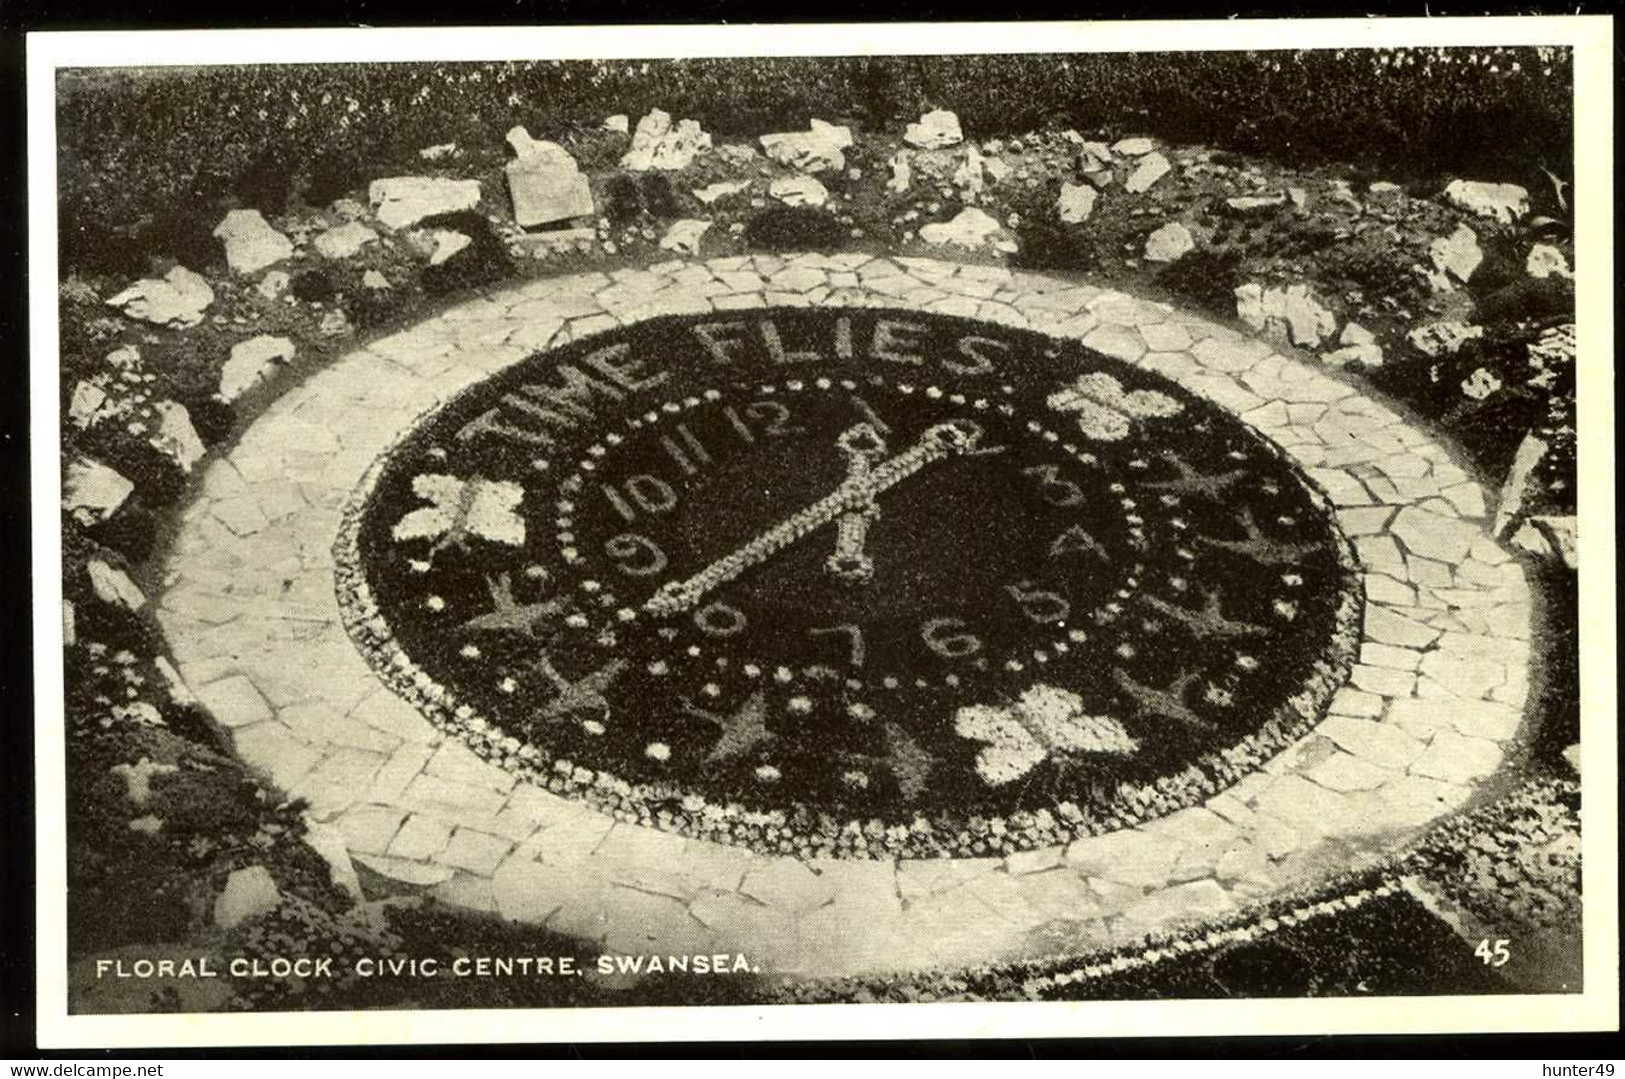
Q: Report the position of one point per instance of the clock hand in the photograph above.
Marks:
(863, 446)
(937, 442)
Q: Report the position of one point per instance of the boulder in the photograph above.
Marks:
(971, 228)
(176, 438)
(545, 182)
(93, 492)
(249, 893)
(113, 586)
(1094, 157)
(1562, 533)
(1076, 203)
(402, 201)
(1256, 205)
(1546, 261)
(1515, 489)
(1152, 167)
(437, 245)
(439, 151)
(1504, 202)
(712, 192)
(342, 241)
(1169, 243)
(816, 150)
(936, 129)
(327, 841)
(799, 191)
(656, 144)
(274, 285)
(251, 361)
(1292, 310)
(1457, 254)
(87, 405)
(620, 123)
(684, 236)
(177, 300)
(902, 173)
(251, 243)
(376, 281)
(1438, 339)
(1359, 346)
(1133, 147)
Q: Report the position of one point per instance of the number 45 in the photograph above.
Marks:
(1498, 957)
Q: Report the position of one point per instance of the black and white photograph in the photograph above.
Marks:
(981, 525)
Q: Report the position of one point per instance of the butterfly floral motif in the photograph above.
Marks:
(459, 509)
(1043, 720)
(1106, 411)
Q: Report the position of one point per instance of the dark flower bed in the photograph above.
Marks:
(1017, 690)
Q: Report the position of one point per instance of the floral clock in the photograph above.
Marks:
(852, 582)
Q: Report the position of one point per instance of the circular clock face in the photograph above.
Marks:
(858, 566)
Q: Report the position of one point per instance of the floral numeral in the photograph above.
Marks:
(1055, 490)
(1038, 604)
(635, 555)
(651, 494)
(719, 620)
(939, 635)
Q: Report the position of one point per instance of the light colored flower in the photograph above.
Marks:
(462, 508)
(1044, 720)
(1106, 411)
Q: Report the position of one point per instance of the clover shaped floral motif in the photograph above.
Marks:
(462, 508)
(1106, 411)
(1042, 721)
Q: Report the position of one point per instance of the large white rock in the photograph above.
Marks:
(1438, 339)
(251, 361)
(177, 300)
(113, 585)
(176, 438)
(971, 228)
(93, 492)
(251, 243)
(712, 192)
(1133, 147)
(902, 173)
(1152, 167)
(936, 129)
(87, 404)
(1546, 261)
(620, 123)
(1076, 203)
(684, 236)
(1457, 254)
(1292, 309)
(1504, 202)
(250, 893)
(545, 182)
(656, 144)
(1170, 243)
(327, 841)
(817, 150)
(799, 191)
(1515, 491)
(403, 201)
(342, 241)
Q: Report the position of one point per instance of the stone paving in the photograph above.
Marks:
(1431, 710)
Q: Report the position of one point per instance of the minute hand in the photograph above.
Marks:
(938, 442)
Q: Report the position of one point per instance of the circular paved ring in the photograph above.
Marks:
(1429, 713)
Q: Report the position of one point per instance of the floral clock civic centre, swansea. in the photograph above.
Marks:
(852, 582)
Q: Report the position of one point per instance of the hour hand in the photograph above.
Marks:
(850, 563)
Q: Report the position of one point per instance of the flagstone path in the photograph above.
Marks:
(1431, 711)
